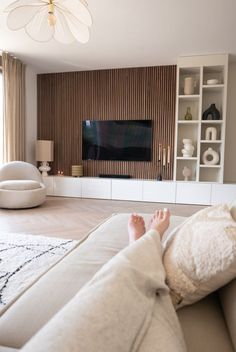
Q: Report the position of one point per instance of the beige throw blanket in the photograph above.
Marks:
(125, 307)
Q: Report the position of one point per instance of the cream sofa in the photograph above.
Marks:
(209, 325)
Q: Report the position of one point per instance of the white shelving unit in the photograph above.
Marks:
(201, 69)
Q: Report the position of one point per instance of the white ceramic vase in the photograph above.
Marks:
(211, 134)
(210, 157)
(188, 149)
(189, 86)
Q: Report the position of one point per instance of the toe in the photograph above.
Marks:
(166, 214)
(159, 214)
(133, 218)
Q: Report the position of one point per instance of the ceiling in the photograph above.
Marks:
(132, 33)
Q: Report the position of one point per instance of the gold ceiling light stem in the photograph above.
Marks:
(51, 17)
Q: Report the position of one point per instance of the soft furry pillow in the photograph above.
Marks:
(200, 256)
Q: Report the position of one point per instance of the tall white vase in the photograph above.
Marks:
(189, 86)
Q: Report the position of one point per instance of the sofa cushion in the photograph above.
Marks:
(201, 256)
(228, 301)
(204, 326)
(19, 185)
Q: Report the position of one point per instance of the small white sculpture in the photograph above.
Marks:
(188, 149)
(211, 134)
(210, 157)
(186, 173)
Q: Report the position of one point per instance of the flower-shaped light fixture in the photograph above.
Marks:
(63, 20)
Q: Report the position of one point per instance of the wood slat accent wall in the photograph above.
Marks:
(65, 99)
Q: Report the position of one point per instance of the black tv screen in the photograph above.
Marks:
(129, 140)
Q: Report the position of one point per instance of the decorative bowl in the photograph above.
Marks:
(212, 81)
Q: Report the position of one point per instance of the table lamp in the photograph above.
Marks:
(44, 153)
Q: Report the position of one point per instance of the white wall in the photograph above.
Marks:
(230, 145)
(31, 114)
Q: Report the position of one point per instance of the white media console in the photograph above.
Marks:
(140, 190)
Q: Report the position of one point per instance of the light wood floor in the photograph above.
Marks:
(73, 218)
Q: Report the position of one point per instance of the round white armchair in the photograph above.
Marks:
(21, 186)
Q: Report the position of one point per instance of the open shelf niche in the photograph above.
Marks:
(209, 74)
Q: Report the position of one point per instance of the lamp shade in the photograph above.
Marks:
(44, 150)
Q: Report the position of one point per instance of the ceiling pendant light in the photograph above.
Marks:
(51, 17)
(63, 20)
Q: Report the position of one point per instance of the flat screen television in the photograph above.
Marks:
(124, 140)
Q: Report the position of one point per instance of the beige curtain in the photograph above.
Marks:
(14, 108)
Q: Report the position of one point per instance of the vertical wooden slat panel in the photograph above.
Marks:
(66, 99)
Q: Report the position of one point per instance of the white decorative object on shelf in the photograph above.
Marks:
(210, 157)
(188, 149)
(212, 81)
(186, 173)
(189, 86)
(211, 134)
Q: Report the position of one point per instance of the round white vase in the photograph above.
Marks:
(210, 157)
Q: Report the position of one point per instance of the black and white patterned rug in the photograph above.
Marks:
(24, 258)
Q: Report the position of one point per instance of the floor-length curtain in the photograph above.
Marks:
(1, 117)
(14, 108)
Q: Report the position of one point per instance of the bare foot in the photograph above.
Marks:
(160, 221)
(136, 227)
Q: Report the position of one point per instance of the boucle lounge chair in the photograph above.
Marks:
(21, 186)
